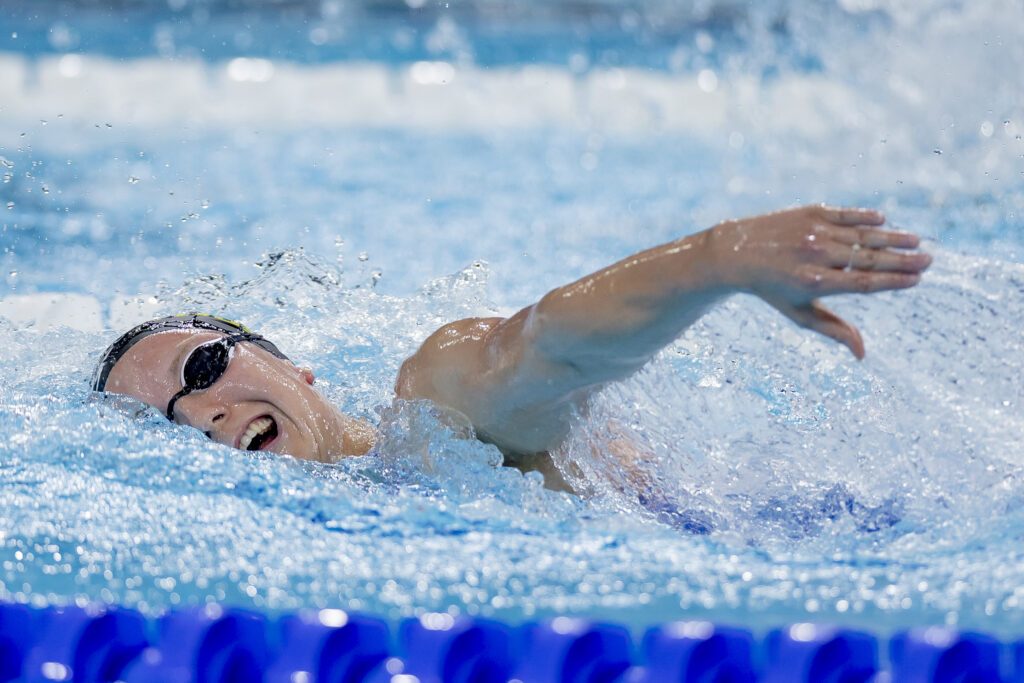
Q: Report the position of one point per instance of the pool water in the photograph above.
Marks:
(345, 178)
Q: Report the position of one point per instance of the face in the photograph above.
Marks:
(261, 402)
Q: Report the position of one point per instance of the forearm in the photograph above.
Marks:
(611, 322)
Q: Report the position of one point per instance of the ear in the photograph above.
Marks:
(307, 375)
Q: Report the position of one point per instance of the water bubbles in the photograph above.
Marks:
(363, 256)
(986, 129)
(10, 205)
(62, 37)
(133, 180)
(705, 43)
(707, 80)
(318, 35)
(205, 204)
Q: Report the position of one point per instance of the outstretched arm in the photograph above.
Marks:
(520, 379)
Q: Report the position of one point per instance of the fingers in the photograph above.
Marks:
(816, 317)
(873, 237)
(856, 258)
(819, 281)
(844, 216)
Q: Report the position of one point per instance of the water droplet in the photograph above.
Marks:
(10, 205)
(132, 180)
(43, 121)
(14, 34)
(937, 151)
(7, 163)
(45, 189)
(205, 204)
(363, 256)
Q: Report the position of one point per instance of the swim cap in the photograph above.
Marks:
(187, 321)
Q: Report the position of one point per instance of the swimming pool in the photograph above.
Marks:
(345, 177)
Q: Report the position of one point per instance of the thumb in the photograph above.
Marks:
(814, 316)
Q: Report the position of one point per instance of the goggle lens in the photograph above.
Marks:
(206, 364)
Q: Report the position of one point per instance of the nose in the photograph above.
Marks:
(205, 412)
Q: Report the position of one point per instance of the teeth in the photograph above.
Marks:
(257, 427)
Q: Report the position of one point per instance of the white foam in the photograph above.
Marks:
(127, 311)
(45, 311)
(438, 95)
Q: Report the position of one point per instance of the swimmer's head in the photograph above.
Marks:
(237, 387)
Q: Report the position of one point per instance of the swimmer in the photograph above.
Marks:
(520, 380)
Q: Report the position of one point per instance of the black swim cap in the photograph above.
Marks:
(187, 321)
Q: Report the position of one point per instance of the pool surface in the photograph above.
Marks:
(345, 177)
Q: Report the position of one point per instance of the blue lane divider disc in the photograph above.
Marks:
(567, 650)
(943, 655)
(698, 652)
(85, 645)
(17, 634)
(328, 646)
(811, 653)
(439, 648)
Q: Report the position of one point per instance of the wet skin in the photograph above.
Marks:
(521, 380)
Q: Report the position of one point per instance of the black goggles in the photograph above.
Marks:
(206, 363)
(188, 321)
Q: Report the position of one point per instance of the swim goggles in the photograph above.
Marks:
(204, 365)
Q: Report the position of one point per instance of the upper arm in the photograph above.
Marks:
(494, 371)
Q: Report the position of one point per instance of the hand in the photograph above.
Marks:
(792, 257)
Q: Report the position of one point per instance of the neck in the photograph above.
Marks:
(348, 436)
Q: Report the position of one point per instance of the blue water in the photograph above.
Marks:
(464, 160)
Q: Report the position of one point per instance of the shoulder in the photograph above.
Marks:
(446, 359)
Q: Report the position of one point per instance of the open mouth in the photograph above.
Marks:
(259, 434)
